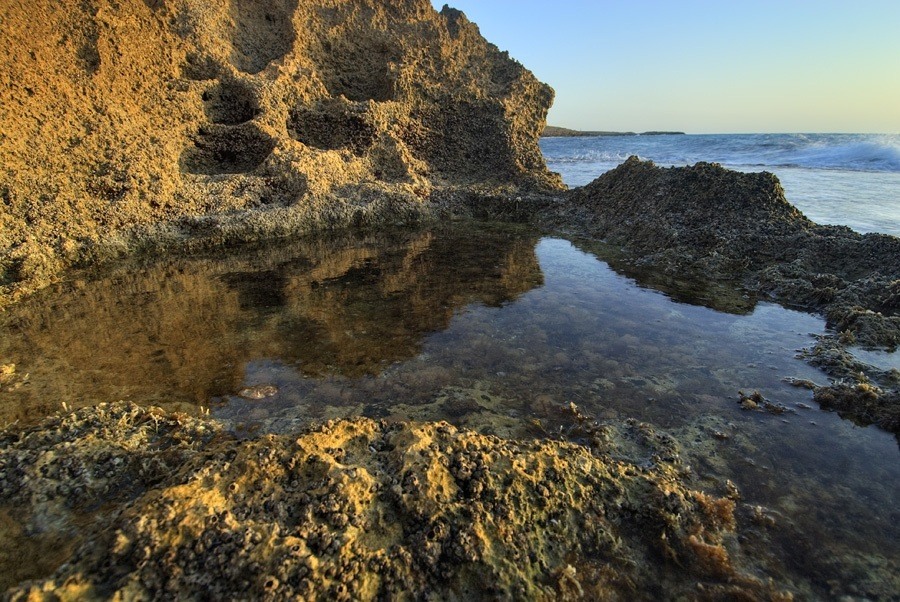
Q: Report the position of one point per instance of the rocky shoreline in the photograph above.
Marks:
(140, 128)
(361, 510)
(153, 504)
(710, 224)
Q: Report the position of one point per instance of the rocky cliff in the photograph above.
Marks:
(141, 122)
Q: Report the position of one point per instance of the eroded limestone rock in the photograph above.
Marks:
(251, 119)
(360, 509)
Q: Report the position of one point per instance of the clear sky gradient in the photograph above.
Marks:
(705, 66)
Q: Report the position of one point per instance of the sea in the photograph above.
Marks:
(840, 179)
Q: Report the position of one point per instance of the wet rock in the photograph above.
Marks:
(755, 401)
(714, 214)
(800, 383)
(863, 403)
(861, 393)
(710, 223)
(67, 477)
(258, 392)
(362, 510)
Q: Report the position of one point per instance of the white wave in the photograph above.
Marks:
(862, 155)
(590, 156)
(813, 151)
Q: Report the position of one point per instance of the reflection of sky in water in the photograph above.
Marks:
(882, 360)
(490, 332)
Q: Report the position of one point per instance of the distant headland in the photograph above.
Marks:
(552, 131)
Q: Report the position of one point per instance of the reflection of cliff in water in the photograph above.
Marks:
(183, 331)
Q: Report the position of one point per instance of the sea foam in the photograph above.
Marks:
(874, 155)
(849, 179)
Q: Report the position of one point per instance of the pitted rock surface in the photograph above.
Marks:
(366, 510)
(136, 124)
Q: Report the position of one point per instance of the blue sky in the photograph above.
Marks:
(707, 66)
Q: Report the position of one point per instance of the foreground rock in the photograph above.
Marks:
(714, 224)
(143, 125)
(358, 510)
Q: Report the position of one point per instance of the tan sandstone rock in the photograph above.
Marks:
(139, 124)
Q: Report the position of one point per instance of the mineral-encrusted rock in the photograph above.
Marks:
(365, 510)
(702, 214)
(64, 480)
(145, 122)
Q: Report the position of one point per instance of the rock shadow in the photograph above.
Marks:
(467, 140)
(230, 103)
(88, 52)
(359, 70)
(199, 68)
(263, 32)
(331, 126)
(221, 149)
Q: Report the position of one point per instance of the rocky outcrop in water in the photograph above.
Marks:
(359, 510)
(135, 124)
(711, 223)
(702, 217)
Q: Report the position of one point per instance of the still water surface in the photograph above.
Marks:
(493, 328)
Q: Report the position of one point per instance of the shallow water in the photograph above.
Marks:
(493, 328)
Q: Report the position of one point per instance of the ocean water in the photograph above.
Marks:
(842, 179)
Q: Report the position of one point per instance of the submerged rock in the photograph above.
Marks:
(361, 510)
(862, 402)
(138, 124)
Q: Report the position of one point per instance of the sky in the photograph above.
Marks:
(704, 66)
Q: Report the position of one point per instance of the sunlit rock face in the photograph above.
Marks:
(117, 117)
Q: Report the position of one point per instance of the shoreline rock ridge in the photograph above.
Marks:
(358, 509)
(156, 125)
(709, 223)
(148, 123)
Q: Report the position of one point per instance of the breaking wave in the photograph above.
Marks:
(855, 156)
(850, 179)
(853, 152)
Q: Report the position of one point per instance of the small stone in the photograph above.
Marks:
(258, 392)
